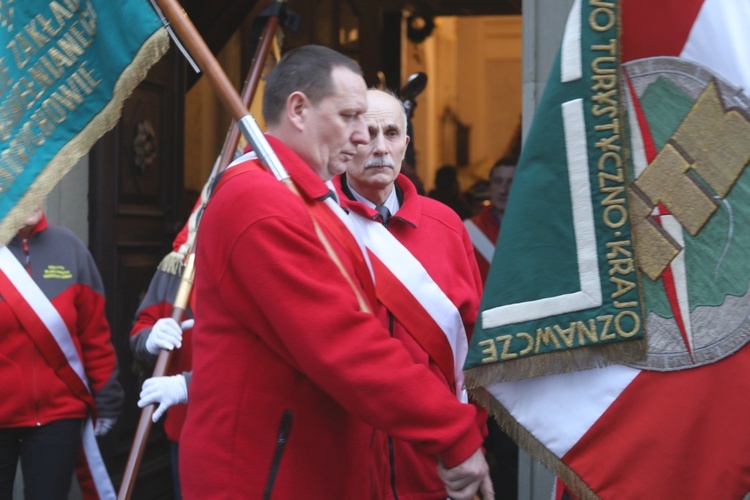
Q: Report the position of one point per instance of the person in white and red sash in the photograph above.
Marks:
(291, 372)
(57, 364)
(428, 266)
(484, 227)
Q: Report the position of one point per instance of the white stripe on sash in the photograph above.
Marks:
(51, 318)
(96, 464)
(43, 308)
(410, 272)
(481, 242)
(355, 230)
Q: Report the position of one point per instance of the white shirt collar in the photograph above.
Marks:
(391, 203)
(330, 185)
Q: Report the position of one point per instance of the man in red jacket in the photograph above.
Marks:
(425, 273)
(291, 372)
(484, 227)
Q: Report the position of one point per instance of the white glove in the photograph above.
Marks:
(103, 426)
(167, 391)
(166, 334)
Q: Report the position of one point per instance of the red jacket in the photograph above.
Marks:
(436, 237)
(488, 223)
(31, 392)
(157, 304)
(289, 377)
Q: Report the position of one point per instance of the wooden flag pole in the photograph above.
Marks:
(256, 71)
(206, 61)
(238, 107)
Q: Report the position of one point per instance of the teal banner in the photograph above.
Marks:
(65, 68)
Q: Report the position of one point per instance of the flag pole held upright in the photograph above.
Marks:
(238, 107)
(220, 82)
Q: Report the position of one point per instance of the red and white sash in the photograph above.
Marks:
(407, 290)
(403, 285)
(481, 242)
(49, 332)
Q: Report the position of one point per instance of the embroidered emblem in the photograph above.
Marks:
(690, 213)
(57, 272)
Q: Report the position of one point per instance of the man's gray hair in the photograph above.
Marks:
(393, 94)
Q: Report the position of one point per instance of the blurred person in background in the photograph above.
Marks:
(57, 364)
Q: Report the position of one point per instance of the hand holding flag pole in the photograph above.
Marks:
(186, 283)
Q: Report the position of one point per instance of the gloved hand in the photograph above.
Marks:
(167, 391)
(103, 426)
(166, 334)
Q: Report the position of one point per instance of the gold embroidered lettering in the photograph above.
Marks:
(623, 286)
(546, 336)
(566, 334)
(625, 305)
(506, 354)
(529, 343)
(587, 333)
(607, 156)
(599, 14)
(604, 82)
(633, 330)
(620, 266)
(490, 350)
(607, 320)
(617, 247)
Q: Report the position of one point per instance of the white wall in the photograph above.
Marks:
(67, 204)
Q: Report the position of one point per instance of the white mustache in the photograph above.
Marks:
(379, 161)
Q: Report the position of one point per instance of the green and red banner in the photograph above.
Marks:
(66, 66)
(563, 284)
(670, 424)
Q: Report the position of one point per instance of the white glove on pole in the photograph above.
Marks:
(166, 334)
(167, 391)
(103, 426)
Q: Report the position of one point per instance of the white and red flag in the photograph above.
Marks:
(672, 425)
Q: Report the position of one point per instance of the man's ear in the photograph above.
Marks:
(297, 106)
(407, 140)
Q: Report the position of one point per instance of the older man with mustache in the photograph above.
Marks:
(426, 277)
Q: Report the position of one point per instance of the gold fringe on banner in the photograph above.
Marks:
(532, 446)
(150, 52)
(555, 363)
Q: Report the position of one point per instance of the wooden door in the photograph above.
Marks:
(136, 177)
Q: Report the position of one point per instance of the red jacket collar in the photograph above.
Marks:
(302, 174)
(40, 226)
(410, 210)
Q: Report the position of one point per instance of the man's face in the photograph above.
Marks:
(336, 126)
(378, 163)
(500, 181)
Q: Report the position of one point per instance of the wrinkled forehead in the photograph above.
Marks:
(385, 113)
